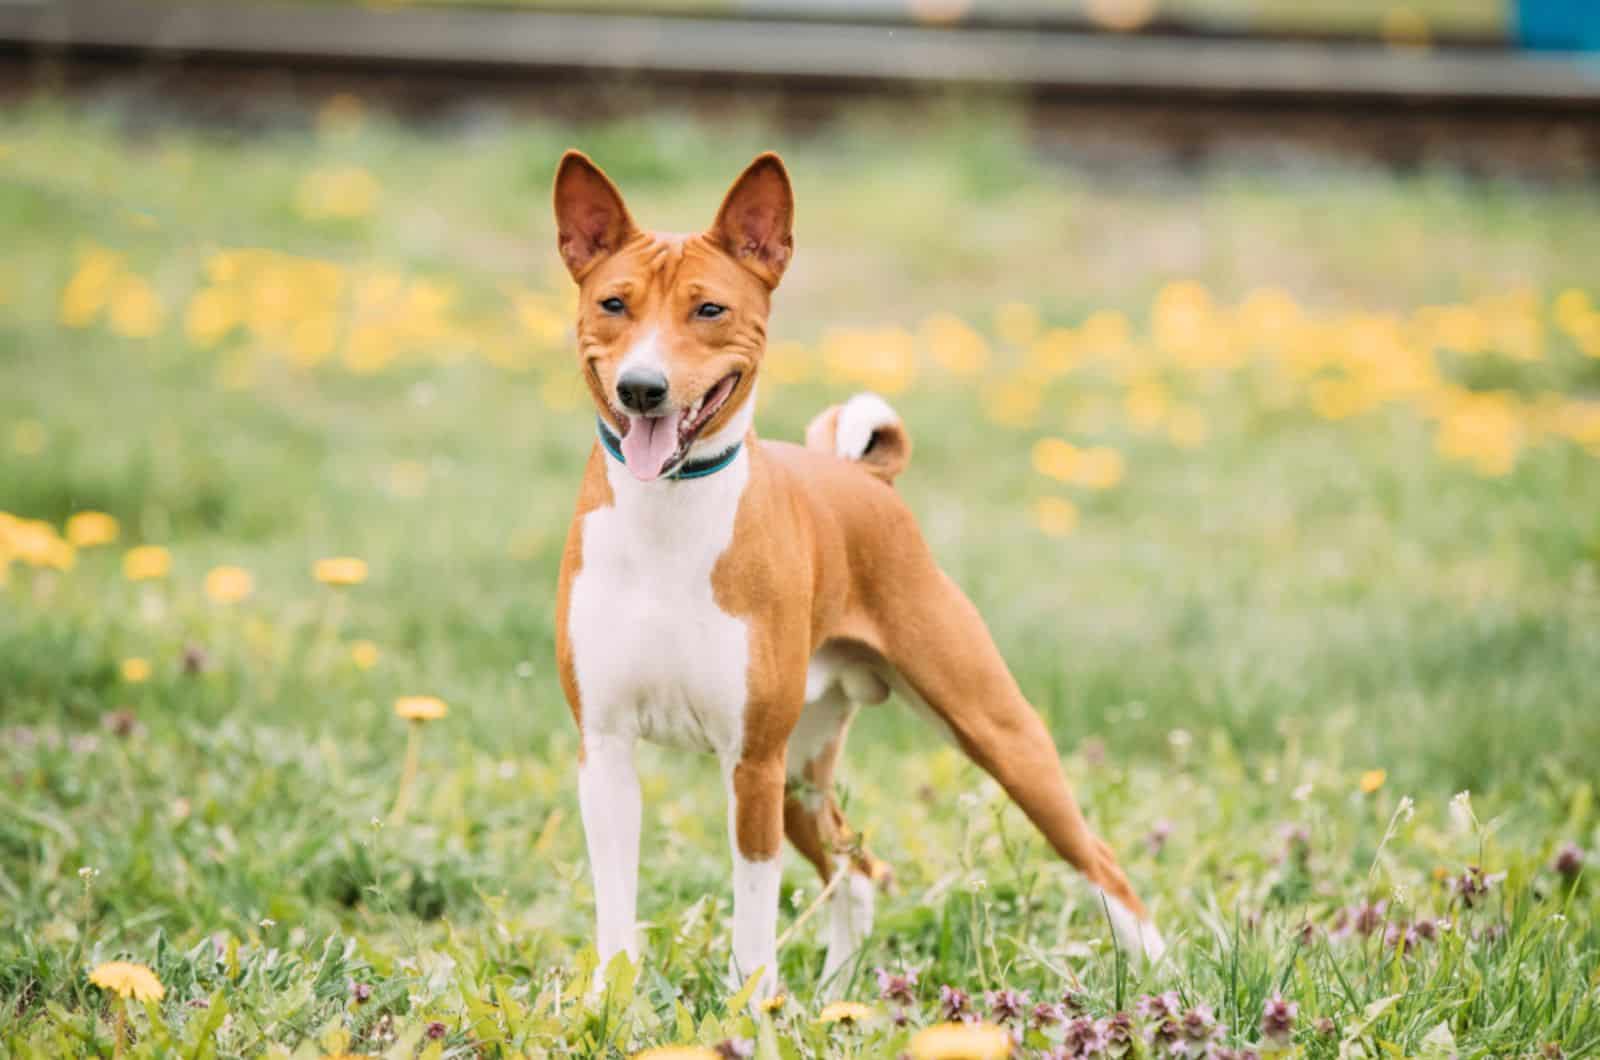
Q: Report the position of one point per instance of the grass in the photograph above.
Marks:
(1315, 603)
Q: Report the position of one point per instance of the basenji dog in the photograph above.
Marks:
(744, 597)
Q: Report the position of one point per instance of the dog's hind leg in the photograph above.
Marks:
(945, 659)
(817, 828)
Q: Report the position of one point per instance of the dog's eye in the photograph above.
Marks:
(710, 310)
(612, 305)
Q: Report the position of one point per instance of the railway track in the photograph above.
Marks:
(1185, 89)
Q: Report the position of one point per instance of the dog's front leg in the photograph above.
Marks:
(755, 831)
(608, 795)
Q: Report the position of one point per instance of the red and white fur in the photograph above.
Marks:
(752, 611)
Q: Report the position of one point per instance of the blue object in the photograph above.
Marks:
(1559, 25)
(692, 469)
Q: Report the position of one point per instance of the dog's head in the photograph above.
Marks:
(671, 329)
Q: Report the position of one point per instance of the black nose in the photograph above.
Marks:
(641, 390)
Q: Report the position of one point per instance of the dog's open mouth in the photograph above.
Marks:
(653, 445)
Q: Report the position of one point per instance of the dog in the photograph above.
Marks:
(729, 594)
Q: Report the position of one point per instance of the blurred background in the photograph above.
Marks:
(1251, 349)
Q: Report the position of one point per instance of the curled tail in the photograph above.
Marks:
(865, 430)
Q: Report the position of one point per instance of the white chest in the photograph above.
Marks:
(653, 654)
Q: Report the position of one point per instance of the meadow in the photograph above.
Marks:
(1279, 487)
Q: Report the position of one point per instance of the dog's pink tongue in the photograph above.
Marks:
(650, 443)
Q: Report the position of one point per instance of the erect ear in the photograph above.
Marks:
(756, 222)
(591, 221)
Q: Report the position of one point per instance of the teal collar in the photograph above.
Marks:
(690, 468)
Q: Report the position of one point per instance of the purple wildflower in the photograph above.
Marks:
(1006, 1005)
(1158, 1007)
(1166, 1038)
(360, 993)
(1472, 885)
(898, 986)
(1277, 1020)
(437, 1030)
(1400, 935)
(195, 659)
(1119, 1034)
(955, 1004)
(1325, 1027)
(1361, 919)
(1200, 1025)
(1159, 832)
(121, 722)
(1047, 1014)
(735, 1049)
(1569, 860)
(1085, 1037)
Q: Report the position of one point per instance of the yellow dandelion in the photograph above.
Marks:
(1105, 334)
(340, 570)
(1055, 516)
(1268, 315)
(1182, 314)
(1100, 468)
(773, 1003)
(136, 671)
(135, 311)
(146, 562)
(1146, 404)
(420, 708)
(212, 313)
(229, 585)
(955, 345)
(126, 979)
(960, 1041)
(1055, 457)
(846, 1012)
(1335, 399)
(678, 1052)
(1053, 353)
(313, 339)
(36, 543)
(364, 654)
(86, 294)
(1372, 780)
(87, 529)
